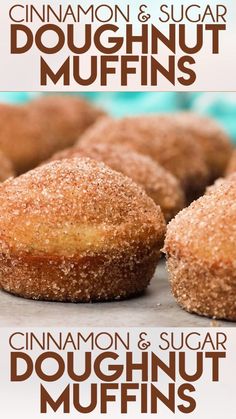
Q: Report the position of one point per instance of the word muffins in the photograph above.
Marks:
(158, 183)
(201, 253)
(74, 230)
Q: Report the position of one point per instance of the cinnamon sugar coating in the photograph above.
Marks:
(74, 230)
(161, 138)
(231, 168)
(31, 133)
(6, 167)
(65, 118)
(201, 253)
(211, 137)
(20, 136)
(158, 183)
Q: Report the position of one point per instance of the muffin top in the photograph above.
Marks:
(76, 207)
(211, 137)
(66, 117)
(158, 136)
(206, 230)
(20, 136)
(158, 183)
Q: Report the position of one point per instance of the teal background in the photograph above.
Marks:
(221, 106)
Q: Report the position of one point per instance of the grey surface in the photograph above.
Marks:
(156, 307)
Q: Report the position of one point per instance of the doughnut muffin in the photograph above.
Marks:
(212, 139)
(74, 230)
(158, 183)
(6, 167)
(201, 253)
(231, 168)
(161, 138)
(31, 133)
(21, 136)
(65, 118)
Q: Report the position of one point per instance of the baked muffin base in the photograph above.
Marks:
(202, 289)
(100, 277)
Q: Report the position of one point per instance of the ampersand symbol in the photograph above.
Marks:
(143, 16)
(143, 343)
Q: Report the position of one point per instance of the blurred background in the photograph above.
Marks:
(221, 106)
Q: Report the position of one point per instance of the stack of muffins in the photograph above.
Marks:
(91, 202)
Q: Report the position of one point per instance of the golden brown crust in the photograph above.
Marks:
(31, 133)
(214, 298)
(201, 253)
(161, 138)
(102, 277)
(158, 183)
(231, 168)
(65, 117)
(6, 168)
(211, 137)
(72, 229)
(20, 136)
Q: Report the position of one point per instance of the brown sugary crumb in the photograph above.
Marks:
(231, 168)
(6, 168)
(65, 117)
(74, 230)
(161, 138)
(201, 253)
(158, 183)
(21, 136)
(31, 133)
(211, 137)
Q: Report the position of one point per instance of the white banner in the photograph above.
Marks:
(142, 373)
(118, 45)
